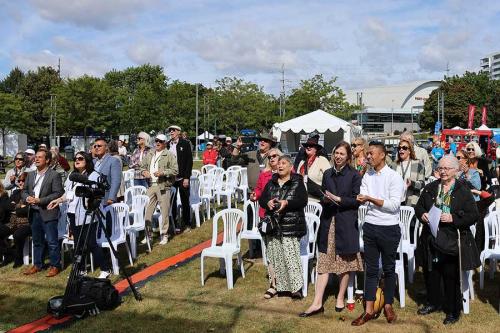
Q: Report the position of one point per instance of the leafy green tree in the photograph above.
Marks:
(12, 115)
(12, 82)
(318, 93)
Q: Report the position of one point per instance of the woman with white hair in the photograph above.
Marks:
(479, 162)
(453, 249)
(139, 153)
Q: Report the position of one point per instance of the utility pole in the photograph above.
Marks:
(442, 109)
(196, 138)
(282, 92)
(53, 120)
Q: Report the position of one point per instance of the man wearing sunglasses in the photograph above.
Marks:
(109, 166)
(181, 149)
(160, 166)
(30, 160)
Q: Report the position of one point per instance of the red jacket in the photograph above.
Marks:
(264, 178)
(210, 156)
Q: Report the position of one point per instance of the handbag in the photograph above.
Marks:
(268, 225)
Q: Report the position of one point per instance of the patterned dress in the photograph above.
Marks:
(284, 256)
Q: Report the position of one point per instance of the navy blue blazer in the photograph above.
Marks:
(344, 184)
(110, 167)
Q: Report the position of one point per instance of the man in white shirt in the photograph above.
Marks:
(381, 189)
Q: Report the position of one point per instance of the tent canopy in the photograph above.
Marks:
(206, 136)
(333, 128)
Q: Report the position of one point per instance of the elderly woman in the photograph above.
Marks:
(79, 220)
(10, 181)
(313, 167)
(359, 148)
(284, 197)
(479, 162)
(411, 170)
(338, 238)
(265, 176)
(442, 256)
(135, 160)
(470, 176)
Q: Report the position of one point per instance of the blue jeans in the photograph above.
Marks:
(41, 232)
(380, 242)
(141, 182)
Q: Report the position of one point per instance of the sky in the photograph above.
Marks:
(362, 43)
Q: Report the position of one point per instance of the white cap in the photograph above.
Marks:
(229, 139)
(174, 127)
(30, 151)
(210, 143)
(161, 137)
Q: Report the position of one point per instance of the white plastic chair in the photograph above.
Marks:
(243, 183)
(119, 219)
(206, 168)
(361, 220)
(312, 222)
(230, 245)
(400, 271)
(206, 191)
(406, 214)
(228, 188)
(138, 212)
(313, 208)
(234, 168)
(131, 192)
(195, 201)
(195, 173)
(217, 177)
(128, 178)
(252, 232)
(491, 250)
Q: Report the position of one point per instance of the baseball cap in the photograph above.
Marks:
(161, 137)
(30, 151)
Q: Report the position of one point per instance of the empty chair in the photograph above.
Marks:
(406, 214)
(400, 271)
(228, 188)
(206, 192)
(249, 229)
(138, 212)
(312, 222)
(234, 168)
(243, 183)
(313, 208)
(195, 201)
(361, 220)
(230, 244)
(119, 219)
(195, 173)
(491, 250)
(206, 168)
(133, 191)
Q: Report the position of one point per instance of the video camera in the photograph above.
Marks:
(90, 189)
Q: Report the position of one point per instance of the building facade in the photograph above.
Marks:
(491, 64)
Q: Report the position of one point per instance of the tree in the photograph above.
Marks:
(12, 82)
(459, 92)
(318, 93)
(12, 115)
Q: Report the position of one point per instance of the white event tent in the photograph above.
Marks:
(205, 136)
(293, 132)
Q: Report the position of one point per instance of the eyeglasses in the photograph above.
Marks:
(159, 141)
(354, 145)
(470, 149)
(405, 148)
(79, 158)
(98, 146)
(273, 156)
(444, 169)
(20, 180)
(19, 159)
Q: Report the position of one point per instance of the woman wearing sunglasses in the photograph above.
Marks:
(359, 148)
(412, 171)
(469, 175)
(10, 181)
(78, 218)
(478, 161)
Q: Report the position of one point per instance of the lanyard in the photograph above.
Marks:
(405, 170)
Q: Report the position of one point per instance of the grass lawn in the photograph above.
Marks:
(176, 302)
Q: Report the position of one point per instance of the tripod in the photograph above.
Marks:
(82, 250)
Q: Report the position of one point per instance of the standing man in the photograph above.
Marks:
(381, 189)
(420, 153)
(30, 160)
(43, 186)
(181, 149)
(160, 166)
(110, 167)
(255, 160)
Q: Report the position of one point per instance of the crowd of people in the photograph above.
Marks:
(458, 182)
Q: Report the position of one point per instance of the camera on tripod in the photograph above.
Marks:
(94, 190)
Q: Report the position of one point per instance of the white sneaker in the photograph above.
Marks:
(164, 240)
(144, 241)
(104, 274)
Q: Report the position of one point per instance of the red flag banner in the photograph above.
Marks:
(484, 115)
(472, 109)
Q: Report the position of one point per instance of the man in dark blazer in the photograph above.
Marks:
(181, 148)
(42, 186)
(109, 166)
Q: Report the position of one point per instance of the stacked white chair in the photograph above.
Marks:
(400, 271)
(406, 214)
(249, 230)
(361, 220)
(313, 208)
(128, 178)
(119, 215)
(243, 183)
(312, 222)
(230, 244)
(217, 178)
(234, 168)
(195, 200)
(133, 191)
(206, 193)
(138, 212)
(491, 250)
(195, 173)
(206, 168)
(228, 188)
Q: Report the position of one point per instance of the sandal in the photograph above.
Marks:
(270, 293)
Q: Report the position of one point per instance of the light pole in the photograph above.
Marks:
(196, 138)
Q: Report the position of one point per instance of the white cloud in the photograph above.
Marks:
(146, 51)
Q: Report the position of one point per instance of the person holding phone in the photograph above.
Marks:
(338, 236)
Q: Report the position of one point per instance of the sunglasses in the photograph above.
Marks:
(172, 130)
(354, 145)
(79, 158)
(98, 146)
(470, 149)
(159, 141)
(405, 148)
(19, 159)
(273, 156)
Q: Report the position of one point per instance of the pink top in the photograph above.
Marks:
(264, 178)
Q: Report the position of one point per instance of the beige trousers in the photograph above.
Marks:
(163, 197)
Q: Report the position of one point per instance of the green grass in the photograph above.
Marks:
(176, 302)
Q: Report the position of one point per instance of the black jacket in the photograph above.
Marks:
(292, 221)
(464, 211)
(344, 184)
(184, 158)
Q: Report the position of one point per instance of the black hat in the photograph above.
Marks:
(269, 138)
(313, 141)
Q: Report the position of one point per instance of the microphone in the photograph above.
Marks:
(80, 178)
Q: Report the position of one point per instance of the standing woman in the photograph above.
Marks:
(285, 197)
(78, 218)
(479, 162)
(470, 176)
(313, 167)
(338, 237)
(359, 148)
(137, 156)
(10, 181)
(441, 253)
(412, 171)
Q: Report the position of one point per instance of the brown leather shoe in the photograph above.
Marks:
(361, 320)
(53, 271)
(32, 270)
(389, 314)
